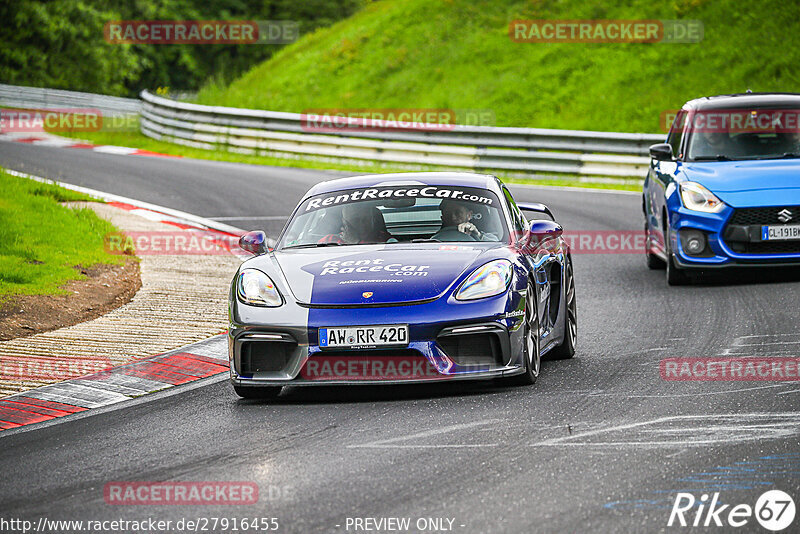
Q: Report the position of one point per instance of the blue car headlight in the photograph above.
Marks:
(257, 289)
(487, 280)
(697, 198)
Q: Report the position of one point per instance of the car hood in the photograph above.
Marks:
(749, 183)
(376, 274)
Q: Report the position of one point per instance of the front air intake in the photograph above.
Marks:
(265, 356)
(472, 349)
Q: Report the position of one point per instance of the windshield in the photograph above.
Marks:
(396, 215)
(722, 135)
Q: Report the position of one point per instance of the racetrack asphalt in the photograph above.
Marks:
(600, 443)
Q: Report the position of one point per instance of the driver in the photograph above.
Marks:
(361, 224)
(457, 225)
(716, 143)
(791, 142)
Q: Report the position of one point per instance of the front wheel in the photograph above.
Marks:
(653, 262)
(675, 276)
(566, 349)
(530, 349)
(260, 392)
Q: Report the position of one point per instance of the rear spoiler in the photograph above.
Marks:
(537, 207)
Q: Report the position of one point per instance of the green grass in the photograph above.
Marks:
(456, 54)
(138, 140)
(42, 241)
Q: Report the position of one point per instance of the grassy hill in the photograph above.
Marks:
(457, 54)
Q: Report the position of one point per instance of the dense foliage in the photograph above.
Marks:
(60, 43)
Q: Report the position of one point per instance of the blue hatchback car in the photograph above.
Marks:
(724, 190)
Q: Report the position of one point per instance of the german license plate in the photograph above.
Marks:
(352, 337)
(780, 233)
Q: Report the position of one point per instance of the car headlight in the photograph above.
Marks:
(487, 280)
(257, 289)
(697, 198)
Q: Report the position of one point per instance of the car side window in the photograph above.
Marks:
(676, 133)
(520, 224)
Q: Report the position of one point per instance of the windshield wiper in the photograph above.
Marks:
(718, 157)
(789, 155)
(314, 245)
(426, 240)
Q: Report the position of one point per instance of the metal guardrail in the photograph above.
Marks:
(15, 96)
(285, 135)
(280, 134)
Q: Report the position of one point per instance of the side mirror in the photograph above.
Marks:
(535, 206)
(661, 152)
(255, 242)
(541, 231)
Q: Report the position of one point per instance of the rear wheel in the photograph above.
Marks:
(260, 392)
(530, 350)
(566, 349)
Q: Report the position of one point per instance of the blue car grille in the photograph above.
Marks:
(742, 233)
(748, 216)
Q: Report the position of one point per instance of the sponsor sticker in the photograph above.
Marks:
(398, 193)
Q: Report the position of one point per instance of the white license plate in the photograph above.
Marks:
(363, 336)
(780, 233)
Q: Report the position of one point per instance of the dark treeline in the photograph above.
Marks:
(60, 43)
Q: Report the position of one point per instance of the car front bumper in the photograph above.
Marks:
(720, 250)
(448, 340)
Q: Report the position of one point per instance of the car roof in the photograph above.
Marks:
(744, 100)
(463, 179)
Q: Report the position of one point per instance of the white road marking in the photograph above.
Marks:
(391, 443)
(685, 394)
(768, 335)
(785, 425)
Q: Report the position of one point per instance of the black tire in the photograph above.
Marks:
(675, 276)
(566, 349)
(653, 262)
(261, 392)
(533, 362)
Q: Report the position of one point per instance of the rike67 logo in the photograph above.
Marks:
(774, 510)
